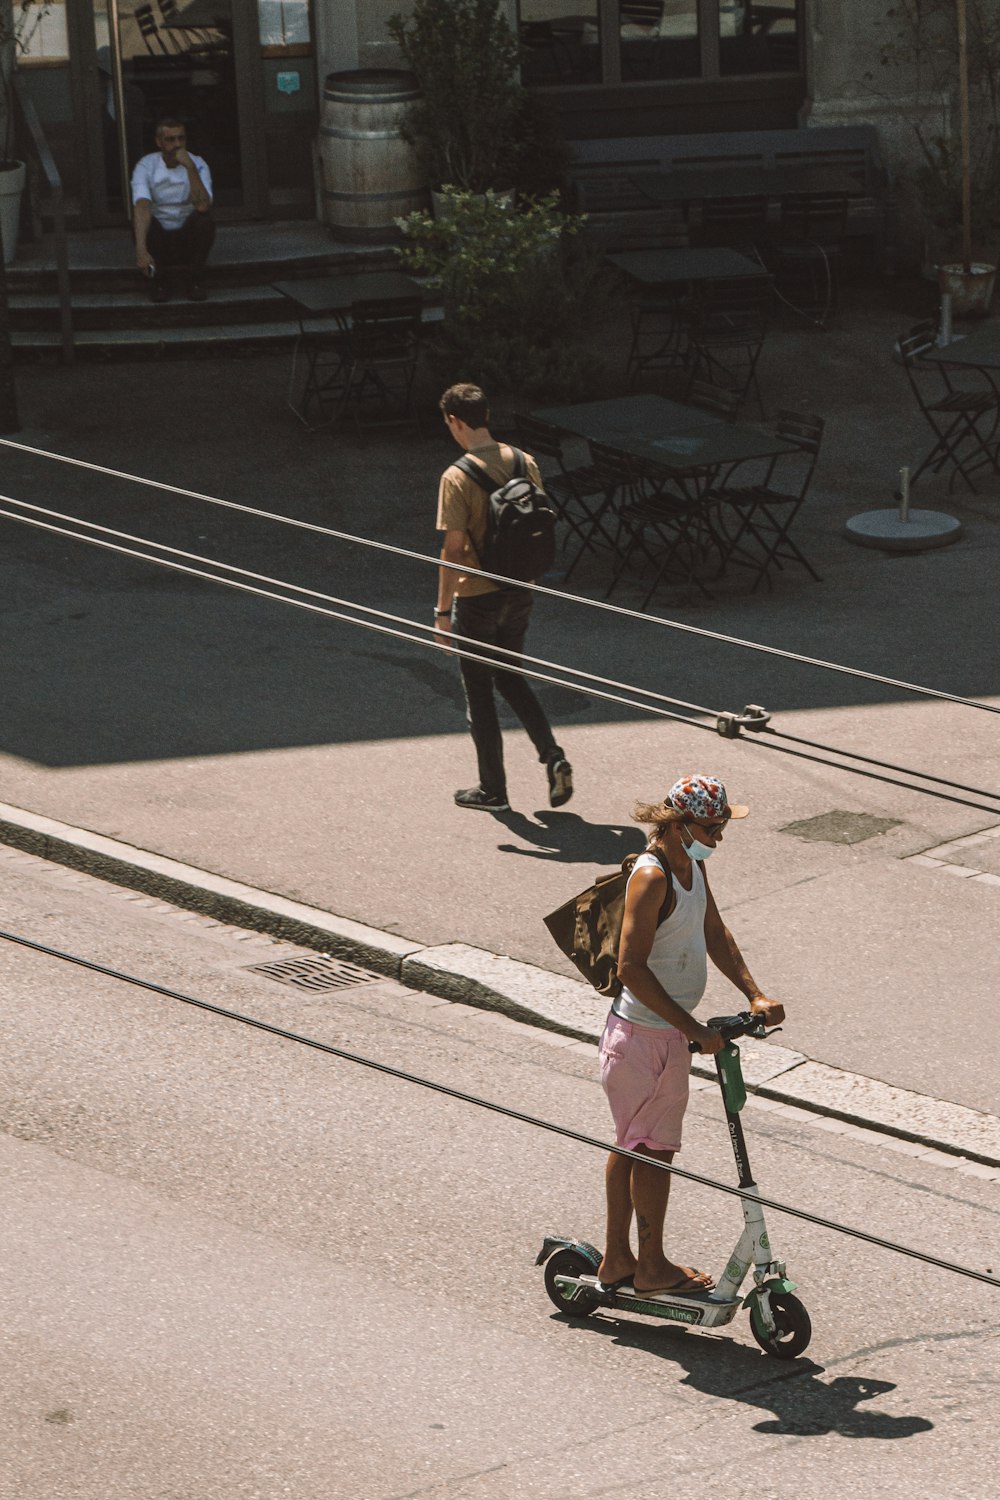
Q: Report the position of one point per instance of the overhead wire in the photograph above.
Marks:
(587, 683)
(500, 1109)
(537, 588)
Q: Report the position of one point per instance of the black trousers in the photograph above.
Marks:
(500, 619)
(185, 248)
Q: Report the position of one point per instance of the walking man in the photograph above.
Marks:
(171, 214)
(671, 926)
(487, 612)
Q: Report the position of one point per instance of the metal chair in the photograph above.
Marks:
(805, 255)
(576, 493)
(953, 414)
(738, 222)
(725, 324)
(381, 350)
(323, 345)
(620, 485)
(656, 344)
(763, 513)
(369, 354)
(718, 399)
(668, 528)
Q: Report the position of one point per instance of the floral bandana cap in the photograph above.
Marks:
(702, 797)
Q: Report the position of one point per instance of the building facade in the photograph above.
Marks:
(247, 77)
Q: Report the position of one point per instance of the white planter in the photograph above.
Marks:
(12, 180)
(971, 291)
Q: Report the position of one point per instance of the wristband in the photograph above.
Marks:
(439, 612)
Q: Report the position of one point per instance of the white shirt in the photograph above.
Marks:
(679, 956)
(168, 189)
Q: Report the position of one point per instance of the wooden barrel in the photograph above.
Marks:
(370, 174)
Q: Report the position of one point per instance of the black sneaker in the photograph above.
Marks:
(560, 774)
(196, 291)
(159, 291)
(474, 796)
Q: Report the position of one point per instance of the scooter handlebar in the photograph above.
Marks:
(730, 1027)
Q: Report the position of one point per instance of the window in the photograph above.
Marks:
(559, 47)
(283, 26)
(640, 41)
(40, 30)
(758, 38)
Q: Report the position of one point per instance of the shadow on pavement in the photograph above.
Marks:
(803, 1405)
(570, 839)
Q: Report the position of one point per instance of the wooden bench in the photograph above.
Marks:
(849, 149)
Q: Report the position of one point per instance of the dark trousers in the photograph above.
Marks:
(185, 248)
(499, 619)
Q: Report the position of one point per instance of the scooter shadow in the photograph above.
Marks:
(803, 1405)
(568, 838)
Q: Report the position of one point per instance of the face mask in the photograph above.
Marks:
(697, 850)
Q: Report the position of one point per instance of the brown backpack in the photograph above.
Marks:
(588, 927)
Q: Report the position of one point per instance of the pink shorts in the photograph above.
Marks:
(645, 1074)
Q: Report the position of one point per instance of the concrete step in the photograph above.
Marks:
(157, 341)
(154, 342)
(39, 311)
(243, 255)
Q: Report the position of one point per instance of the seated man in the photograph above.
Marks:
(171, 213)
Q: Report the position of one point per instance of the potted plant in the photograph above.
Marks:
(948, 53)
(19, 20)
(466, 126)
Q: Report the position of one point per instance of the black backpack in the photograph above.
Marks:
(520, 522)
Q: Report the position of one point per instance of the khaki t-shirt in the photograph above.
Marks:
(462, 507)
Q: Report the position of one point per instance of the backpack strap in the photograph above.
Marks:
(476, 471)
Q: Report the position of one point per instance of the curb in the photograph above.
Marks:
(490, 981)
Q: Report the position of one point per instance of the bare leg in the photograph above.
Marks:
(618, 1258)
(650, 1194)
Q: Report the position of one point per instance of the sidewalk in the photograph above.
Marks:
(316, 761)
(926, 1127)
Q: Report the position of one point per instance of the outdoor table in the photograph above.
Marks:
(681, 441)
(685, 446)
(333, 296)
(690, 184)
(684, 266)
(324, 305)
(977, 351)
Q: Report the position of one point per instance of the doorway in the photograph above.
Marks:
(193, 60)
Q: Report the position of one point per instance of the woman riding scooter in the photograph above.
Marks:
(671, 926)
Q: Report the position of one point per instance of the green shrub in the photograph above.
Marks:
(516, 286)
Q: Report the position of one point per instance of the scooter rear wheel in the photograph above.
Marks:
(570, 1263)
(792, 1326)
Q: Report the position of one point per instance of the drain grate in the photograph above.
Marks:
(840, 828)
(318, 975)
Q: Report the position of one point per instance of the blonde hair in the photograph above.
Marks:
(656, 815)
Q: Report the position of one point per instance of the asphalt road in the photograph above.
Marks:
(234, 1267)
(317, 760)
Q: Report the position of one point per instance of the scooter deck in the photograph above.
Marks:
(701, 1309)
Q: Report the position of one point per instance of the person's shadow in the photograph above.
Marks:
(803, 1405)
(570, 839)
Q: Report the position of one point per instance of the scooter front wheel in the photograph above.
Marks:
(792, 1326)
(570, 1263)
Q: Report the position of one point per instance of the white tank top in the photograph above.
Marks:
(678, 956)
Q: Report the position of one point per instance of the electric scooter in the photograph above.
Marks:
(778, 1320)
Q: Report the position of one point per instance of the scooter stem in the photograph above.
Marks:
(727, 1066)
